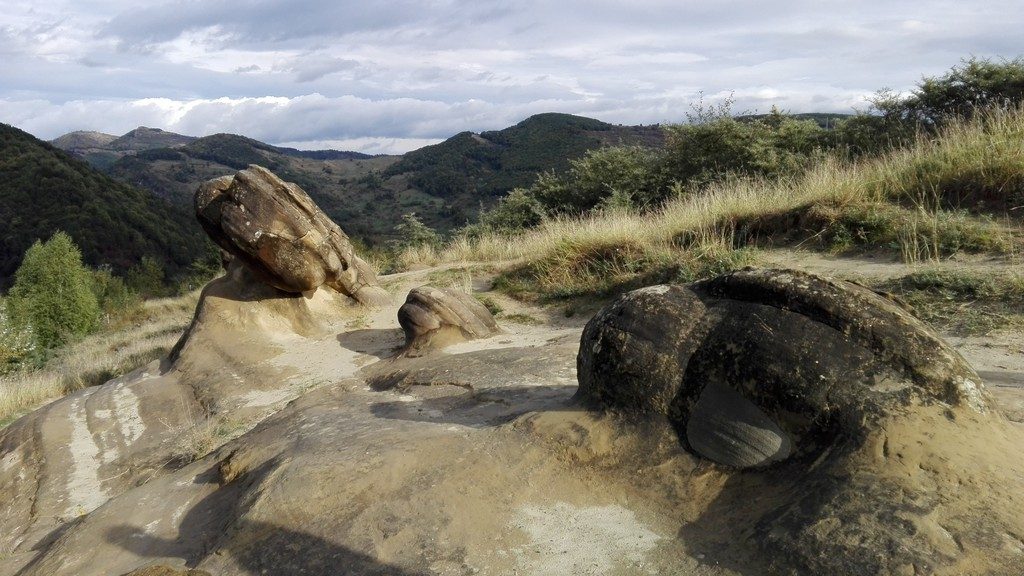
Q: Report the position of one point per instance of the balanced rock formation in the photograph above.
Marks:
(432, 317)
(277, 230)
(816, 396)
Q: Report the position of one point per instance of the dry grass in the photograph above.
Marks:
(98, 358)
(962, 301)
(907, 203)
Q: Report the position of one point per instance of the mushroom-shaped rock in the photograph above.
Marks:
(756, 365)
(277, 230)
(433, 317)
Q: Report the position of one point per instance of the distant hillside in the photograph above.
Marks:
(83, 140)
(43, 189)
(143, 138)
(492, 163)
(101, 150)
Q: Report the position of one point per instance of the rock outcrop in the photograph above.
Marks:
(277, 230)
(433, 317)
(801, 385)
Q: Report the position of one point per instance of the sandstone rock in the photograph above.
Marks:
(162, 570)
(432, 317)
(843, 425)
(768, 358)
(279, 232)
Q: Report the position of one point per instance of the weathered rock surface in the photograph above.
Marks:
(166, 571)
(276, 229)
(803, 382)
(433, 317)
(314, 450)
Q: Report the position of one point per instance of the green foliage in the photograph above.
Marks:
(513, 213)
(53, 293)
(710, 150)
(43, 190)
(412, 233)
(147, 278)
(115, 298)
(17, 342)
(632, 176)
(975, 86)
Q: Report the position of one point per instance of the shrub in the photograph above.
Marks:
(631, 175)
(116, 300)
(147, 278)
(17, 343)
(413, 233)
(516, 212)
(52, 292)
(773, 146)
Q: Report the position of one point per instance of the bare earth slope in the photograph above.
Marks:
(329, 456)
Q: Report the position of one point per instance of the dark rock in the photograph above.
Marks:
(433, 317)
(815, 359)
(842, 424)
(277, 230)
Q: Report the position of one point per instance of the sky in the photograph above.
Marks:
(388, 77)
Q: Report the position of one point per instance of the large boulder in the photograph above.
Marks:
(277, 230)
(433, 317)
(756, 365)
(847, 437)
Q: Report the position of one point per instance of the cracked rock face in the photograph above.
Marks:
(432, 317)
(277, 230)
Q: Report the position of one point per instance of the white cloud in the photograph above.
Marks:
(384, 75)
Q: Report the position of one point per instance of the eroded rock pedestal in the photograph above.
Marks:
(846, 428)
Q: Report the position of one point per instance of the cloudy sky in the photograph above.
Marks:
(393, 76)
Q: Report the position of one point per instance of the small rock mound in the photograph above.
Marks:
(276, 229)
(433, 317)
(844, 428)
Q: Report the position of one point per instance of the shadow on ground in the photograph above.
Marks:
(214, 526)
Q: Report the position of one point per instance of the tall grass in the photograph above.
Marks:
(912, 202)
(98, 357)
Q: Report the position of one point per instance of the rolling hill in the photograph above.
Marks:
(43, 189)
(445, 184)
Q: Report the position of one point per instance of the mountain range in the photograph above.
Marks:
(444, 184)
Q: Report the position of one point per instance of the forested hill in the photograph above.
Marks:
(43, 189)
(492, 163)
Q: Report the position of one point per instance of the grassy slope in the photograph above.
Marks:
(905, 203)
(99, 357)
